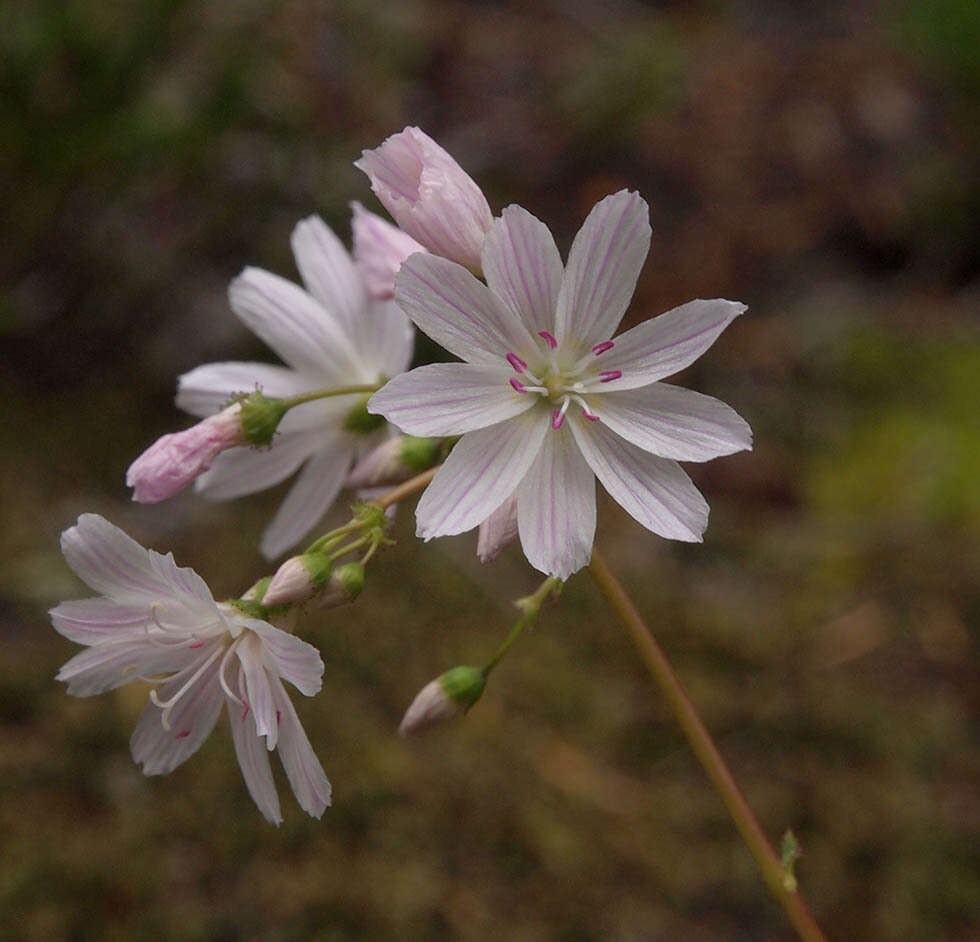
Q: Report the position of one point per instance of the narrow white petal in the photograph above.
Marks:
(115, 565)
(328, 271)
(243, 470)
(523, 268)
(556, 507)
(294, 324)
(306, 776)
(603, 266)
(499, 529)
(290, 657)
(673, 422)
(258, 694)
(459, 312)
(450, 398)
(662, 346)
(207, 389)
(385, 339)
(253, 759)
(110, 665)
(160, 750)
(95, 621)
(308, 499)
(481, 472)
(655, 491)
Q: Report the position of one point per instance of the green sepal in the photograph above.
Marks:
(361, 422)
(261, 417)
(464, 685)
(350, 579)
(319, 567)
(418, 454)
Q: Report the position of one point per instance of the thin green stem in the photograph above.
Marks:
(350, 547)
(530, 605)
(316, 394)
(773, 873)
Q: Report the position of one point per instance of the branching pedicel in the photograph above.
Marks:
(547, 398)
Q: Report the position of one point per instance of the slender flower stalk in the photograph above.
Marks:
(703, 746)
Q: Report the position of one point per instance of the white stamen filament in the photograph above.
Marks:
(223, 667)
(168, 705)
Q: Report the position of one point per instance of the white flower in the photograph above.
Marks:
(429, 195)
(546, 401)
(157, 622)
(330, 335)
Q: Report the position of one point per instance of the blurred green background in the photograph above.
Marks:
(817, 161)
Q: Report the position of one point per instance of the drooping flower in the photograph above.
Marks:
(159, 623)
(330, 335)
(429, 195)
(379, 250)
(548, 399)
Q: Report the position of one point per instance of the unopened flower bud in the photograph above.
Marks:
(297, 579)
(379, 250)
(429, 195)
(343, 586)
(394, 461)
(443, 698)
(174, 460)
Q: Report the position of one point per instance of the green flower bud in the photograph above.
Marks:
(443, 698)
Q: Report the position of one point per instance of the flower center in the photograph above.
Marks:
(562, 383)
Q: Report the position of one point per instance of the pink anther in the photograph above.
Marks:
(603, 347)
(517, 384)
(557, 419)
(515, 361)
(196, 644)
(609, 375)
(549, 338)
(183, 734)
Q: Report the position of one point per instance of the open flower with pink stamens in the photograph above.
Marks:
(158, 623)
(548, 399)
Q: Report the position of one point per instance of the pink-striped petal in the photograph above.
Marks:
(247, 470)
(523, 268)
(499, 529)
(289, 657)
(481, 472)
(450, 399)
(253, 759)
(556, 508)
(379, 251)
(258, 694)
(653, 490)
(294, 324)
(308, 499)
(459, 312)
(603, 266)
(160, 750)
(328, 271)
(208, 389)
(662, 346)
(115, 565)
(306, 776)
(674, 422)
(97, 621)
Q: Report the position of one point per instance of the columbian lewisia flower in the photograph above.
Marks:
(331, 335)
(547, 398)
(157, 622)
(429, 195)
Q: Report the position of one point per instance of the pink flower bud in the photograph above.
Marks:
(297, 579)
(174, 460)
(429, 195)
(379, 250)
